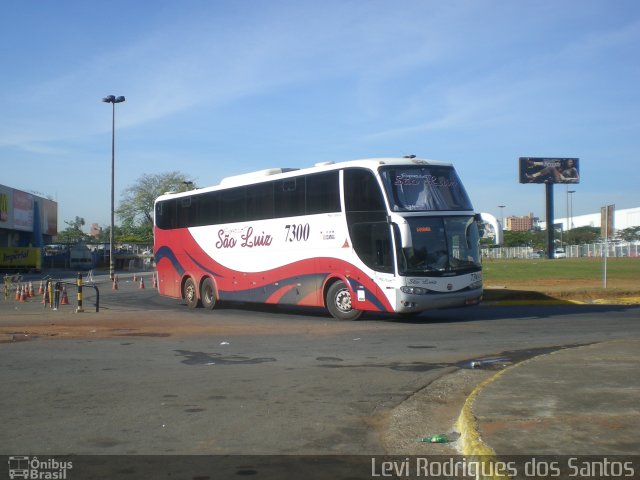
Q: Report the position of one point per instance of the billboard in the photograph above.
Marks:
(18, 212)
(20, 258)
(549, 170)
(22, 211)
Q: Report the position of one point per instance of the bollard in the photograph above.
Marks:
(45, 296)
(50, 292)
(56, 296)
(79, 309)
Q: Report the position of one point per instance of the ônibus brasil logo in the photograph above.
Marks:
(33, 468)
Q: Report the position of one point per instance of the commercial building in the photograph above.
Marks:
(27, 223)
(522, 224)
(622, 219)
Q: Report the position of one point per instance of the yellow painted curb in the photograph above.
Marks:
(599, 301)
(470, 442)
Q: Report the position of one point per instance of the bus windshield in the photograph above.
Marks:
(424, 188)
(441, 244)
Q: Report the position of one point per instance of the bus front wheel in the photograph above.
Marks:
(208, 294)
(190, 293)
(339, 302)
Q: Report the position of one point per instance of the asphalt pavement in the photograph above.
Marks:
(575, 401)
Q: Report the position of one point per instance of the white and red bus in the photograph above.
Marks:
(384, 235)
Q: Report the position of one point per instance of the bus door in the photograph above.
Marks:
(372, 242)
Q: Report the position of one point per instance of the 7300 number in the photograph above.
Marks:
(297, 232)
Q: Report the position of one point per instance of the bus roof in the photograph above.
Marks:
(276, 173)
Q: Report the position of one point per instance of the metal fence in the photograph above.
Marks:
(618, 249)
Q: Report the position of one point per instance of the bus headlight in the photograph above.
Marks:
(475, 285)
(414, 290)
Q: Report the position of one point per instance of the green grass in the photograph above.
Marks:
(570, 277)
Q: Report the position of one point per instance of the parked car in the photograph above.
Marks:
(560, 253)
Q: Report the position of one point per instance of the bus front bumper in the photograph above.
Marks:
(408, 303)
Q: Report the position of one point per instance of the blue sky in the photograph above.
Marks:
(218, 88)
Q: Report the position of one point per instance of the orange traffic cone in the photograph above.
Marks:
(30, 289)
(134, 277)
(41, 288)
(64, 300)
(23, 294)
(141, 283)
(155, 281)
(115, 283)
(18, 293)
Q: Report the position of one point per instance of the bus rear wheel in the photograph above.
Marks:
(339, 302)
(190, 293)
(208, 294)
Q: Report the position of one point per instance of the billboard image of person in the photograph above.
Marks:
(549, 170)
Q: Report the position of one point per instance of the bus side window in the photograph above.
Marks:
(362, 192)
(185, 212)
(323, 193)
(166, 215)
(233, 205)
(260, 201)
(367, 220)
(209, 209)
(289, 197)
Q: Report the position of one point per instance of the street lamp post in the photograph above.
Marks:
(501, 207)
(112, 99)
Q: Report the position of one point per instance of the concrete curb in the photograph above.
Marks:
(470, 442)
(598, 301)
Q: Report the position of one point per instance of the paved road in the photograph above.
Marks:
(148, 376)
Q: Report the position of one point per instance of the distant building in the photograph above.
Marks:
(522, 224)
(623, 218)
(95, 230)
(27, 223)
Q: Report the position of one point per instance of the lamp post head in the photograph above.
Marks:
(113, 99)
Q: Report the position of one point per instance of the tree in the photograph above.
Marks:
(535, 240)
(630, 234)
(582, 235)
(136, 206)
(73, 233)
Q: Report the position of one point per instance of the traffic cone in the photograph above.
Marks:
(155, 281)
(115, 283)
(30, 289)
(23, 294)
(64, 300)
(41, 288)
(18, 293)
(141, 283)
(134, 277)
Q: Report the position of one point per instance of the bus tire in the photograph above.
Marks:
(208, 294)
(190, 293)
(339, 302)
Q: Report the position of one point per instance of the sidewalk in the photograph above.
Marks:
(578, 401)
